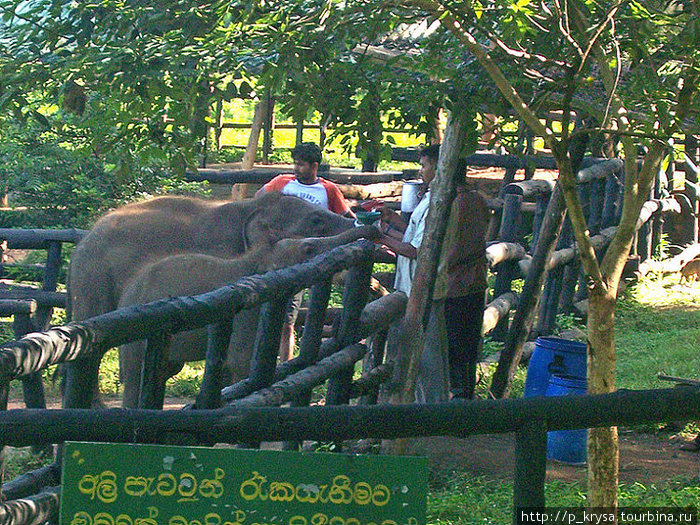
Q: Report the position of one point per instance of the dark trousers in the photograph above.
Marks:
(464, 317)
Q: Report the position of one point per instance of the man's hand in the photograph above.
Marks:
(370, 232)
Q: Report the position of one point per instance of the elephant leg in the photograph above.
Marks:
(130, 364)
(240, 351)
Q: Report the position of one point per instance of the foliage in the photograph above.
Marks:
(63, 188)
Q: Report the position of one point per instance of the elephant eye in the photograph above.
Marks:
(318, 224)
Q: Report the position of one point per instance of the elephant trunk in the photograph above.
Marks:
(366, 232)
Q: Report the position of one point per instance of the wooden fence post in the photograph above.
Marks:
(691, 175)
(530, 468)
(32, 385)
(507, 270)
(319, 295)
(218, 340)
(267, 342)
(152, 391)
(354, 299)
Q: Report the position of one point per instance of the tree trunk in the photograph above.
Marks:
(603, 459)
(240, 191)
(254, 137)
(406, 340)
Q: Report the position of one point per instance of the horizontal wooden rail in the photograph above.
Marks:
(17, 306)
(492, 160)
(22, 292)
(334, 423)
(262, 175)
(29, 239)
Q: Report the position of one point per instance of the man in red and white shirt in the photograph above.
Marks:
(305, 184)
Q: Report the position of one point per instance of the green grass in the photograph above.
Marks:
(657, 331)
(469, 500)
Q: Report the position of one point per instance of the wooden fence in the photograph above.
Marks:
(243, 418)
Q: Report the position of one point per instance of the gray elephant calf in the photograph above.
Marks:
(125, 240)
(190, 274)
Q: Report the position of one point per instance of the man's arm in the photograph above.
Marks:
(393, 219)
(398, 247)
(336, 200)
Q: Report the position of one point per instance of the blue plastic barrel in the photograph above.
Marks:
(567, 446)
(553, 355)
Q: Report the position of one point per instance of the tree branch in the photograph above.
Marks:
(504, 86)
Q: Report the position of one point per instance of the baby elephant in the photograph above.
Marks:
(691, 271)
(191, 274)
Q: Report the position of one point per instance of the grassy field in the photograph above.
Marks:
(657, 331)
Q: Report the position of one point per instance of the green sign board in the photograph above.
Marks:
(117, 484)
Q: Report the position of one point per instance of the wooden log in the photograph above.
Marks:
(484, 160)
(267, 341)
(32, 293)
(262, 175)
(314, 322)
(497, 204)
(599, 170)
(672, 265)
(549, 303)
(355, 297)
(595, 210)
(496, 310)
(568, 286)
(152, 391)
(567, 255)
(530, 469)
(371, 191)
(33, 510)
(300, 382)
(504, 251)
(35, 239)
(692, 191)
(612, 201)
(331, 423)
(653, 206)
(530, 189)
(508, 270)
(17, 306)
(315, 317)
(218, 339)
(32, 482)
(540, 209)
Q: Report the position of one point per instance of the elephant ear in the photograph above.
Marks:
(258, 231)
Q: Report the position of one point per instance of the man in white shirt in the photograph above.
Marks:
(405, 239)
